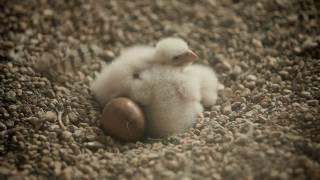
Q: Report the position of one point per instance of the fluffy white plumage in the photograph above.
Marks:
(173, 52)
(163, 81)
(208, 83)
(115, 78)
(171, 99)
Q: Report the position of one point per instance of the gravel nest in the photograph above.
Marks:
(265, 125)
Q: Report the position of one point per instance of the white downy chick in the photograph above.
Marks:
(169, 95)
(174, 52)
(115, 78)
(169, 52)
(209, 83)
(170, 99)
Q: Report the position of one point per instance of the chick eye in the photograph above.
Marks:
(136, 76)
(175, 57)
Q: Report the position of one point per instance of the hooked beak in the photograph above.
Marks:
(185, 59)
(190, 57)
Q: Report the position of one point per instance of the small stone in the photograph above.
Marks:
(287, 91)
(2, 126)
(48, 12)
(12, 108)
(306, 94)
(49, 116)
(270, 151)
(36, 122)
(284, 115)
(66, 173)
(251, 77)
(245, 92)
(227, 92)
(250, 84)
(284, 73)
(96, 50)
(308, 116)
(297, 49)
(313, 102)
(227, 110)
(11, 96)
(19, 92)
(9, 123)
(309, 44)
(249, 113)
(223, 62)
(274, 173)
(210, 139)
(66, 135)
(206, 113)
(237, 70)
(94, 145)
(257, 43)
(57, 168)
(236, 106)
(275, 87)
(226, 66)
(52, 135)
(296, 105)
(107, 55)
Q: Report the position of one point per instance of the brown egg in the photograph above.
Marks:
(123, 119)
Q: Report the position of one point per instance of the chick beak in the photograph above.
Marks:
(190, 57)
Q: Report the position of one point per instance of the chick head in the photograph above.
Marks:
(174, 51)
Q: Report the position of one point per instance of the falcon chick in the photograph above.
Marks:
(170, 99)
(169, 95)
(209, 83)
(116, 78)
(175, 52)
(163, 81)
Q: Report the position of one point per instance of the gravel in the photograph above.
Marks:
(264, 126)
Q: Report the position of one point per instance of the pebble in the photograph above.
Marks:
(284, 73)
(308, 117)
(11, 96)
(275, 87)
(251, 77)
(306, 94)
(66, 135)
(313, 102)
(2, 126)
(94, 145)
(210, 138)
(237, 69)
(284, 115)
(309, 44)
(226, 110)
(250, 84)
(49, 116)
(257, 43)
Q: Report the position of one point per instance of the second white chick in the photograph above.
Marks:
(175, 52)
(170, 99)
(115, 78)
(209, 83)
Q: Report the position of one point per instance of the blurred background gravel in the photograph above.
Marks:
(265, 125)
